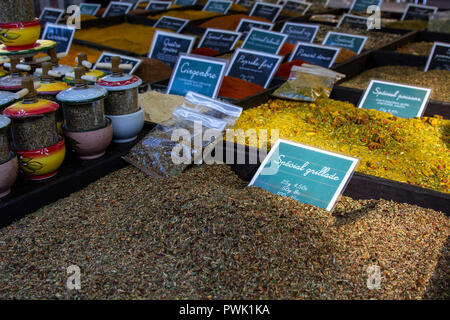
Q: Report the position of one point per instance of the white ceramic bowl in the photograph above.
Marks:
(127, 126)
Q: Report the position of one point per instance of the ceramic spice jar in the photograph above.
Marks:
(83, 104)
(5, 129)
(33, 120)
(49, 86)
(13, 82)
(8, 159)
(6, 98)
(122, 89)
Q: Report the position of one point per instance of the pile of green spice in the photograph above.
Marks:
(206, 235)
(414, 151)
(437, 80)
(422, 48)
(375, 39)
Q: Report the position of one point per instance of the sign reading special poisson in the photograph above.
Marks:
(306, 174)
(264, 41)
(197, 74)
(397, 99)
(166, 46)
(253, 66)
(345, 40)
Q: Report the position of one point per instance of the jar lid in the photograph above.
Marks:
(4, 121)
(6, 98)
(52, 88)
(94, 73)
(11, 82)
(119, 83)
(81, 95)
(25, 110)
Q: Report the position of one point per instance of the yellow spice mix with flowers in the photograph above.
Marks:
(414, 151)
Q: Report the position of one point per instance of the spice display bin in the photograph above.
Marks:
(361, 186)
(73, 175)
(416, 36)
(378, 58)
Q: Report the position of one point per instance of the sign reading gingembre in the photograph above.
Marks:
(397, 99)
(306, 174)
(200, 75)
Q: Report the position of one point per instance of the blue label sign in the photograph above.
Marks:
(115, 8)
(266, 10)
(61, 34)
(354, 21)
(90, 9)
(158, 5)
(200, 75)
(362, 5)
(185, 3)
(345, 40)
(246, 3)
(439, 58)
(219, 40)
(219, 6)
(397, 99)
(297, 6)
(253, 66)
(245, 25)
(299, 32)
(317, 54)
(306, 174)
(106, 58)
(264, 41)
(51, 15)
(175, 24)
(418, 12)
(167, 46)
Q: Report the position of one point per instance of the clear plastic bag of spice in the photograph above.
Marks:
(173, 145)
(212, 107)
(308, 83)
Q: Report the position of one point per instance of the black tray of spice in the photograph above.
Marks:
(74, 174)
(361, 186)
(393, 67)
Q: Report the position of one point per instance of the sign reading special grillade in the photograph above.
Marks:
(106, 58)
(166, 46)
(266, 10)
(362, 5)
(306, 174)
(90, 9)
(171, 23)
(418, 12)
(439, 58)
(116, 8)
(345, 40)
(219, 40)
(245, 25)
(253, 66)
(51, 15)
(317, 54)
(61, 34)
(299, 32)
(198, 74)
(264, 41)
(397, 99)
(219, 6)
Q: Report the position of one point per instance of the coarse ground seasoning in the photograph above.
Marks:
(186, 14)
(229, 22)
(375, 39)
(206, 235)
(422, 48)
(408, 24)
(158, 107)
(437, 80)
(135, 38)
(203, 51)
(17, 11)
(151, 70)
(414, 151)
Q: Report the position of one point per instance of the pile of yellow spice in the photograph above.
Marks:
(414, 151)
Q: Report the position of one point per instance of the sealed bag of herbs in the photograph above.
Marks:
(173, 145)
(308, 83)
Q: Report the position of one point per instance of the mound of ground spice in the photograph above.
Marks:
(422, 48)
(344, 55)
(284, 70)
(158, 107)
(186, 14)
(203, 51)
(229, 22)
(286, 49)
(152, 70)
(206, 235)
(235, 88)
(408, 24)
